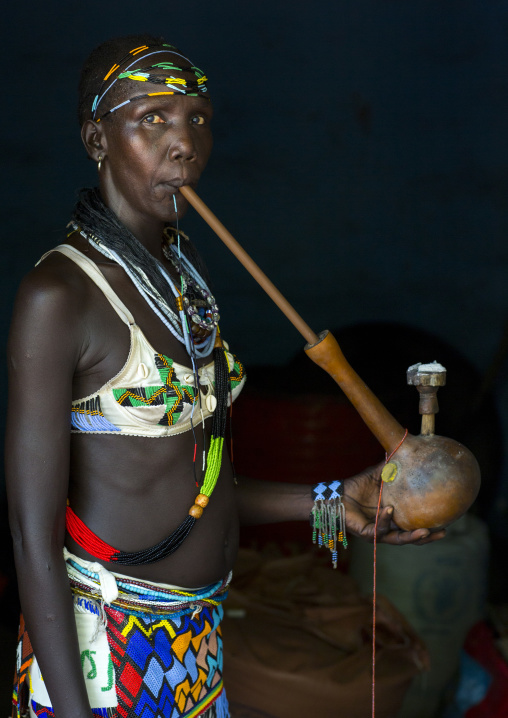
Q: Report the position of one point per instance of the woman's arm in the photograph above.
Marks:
(44, 347)
(261, 502)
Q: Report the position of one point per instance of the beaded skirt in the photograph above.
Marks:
(152, 651)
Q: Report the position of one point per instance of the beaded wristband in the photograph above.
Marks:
(328, 517)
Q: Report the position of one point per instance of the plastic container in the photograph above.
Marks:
(440, 589)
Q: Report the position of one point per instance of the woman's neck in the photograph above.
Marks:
(147, 229)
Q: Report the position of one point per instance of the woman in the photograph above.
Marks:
(118, 327)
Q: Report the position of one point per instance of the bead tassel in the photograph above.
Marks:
(328, 517)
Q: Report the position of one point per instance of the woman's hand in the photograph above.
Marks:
(361, 495)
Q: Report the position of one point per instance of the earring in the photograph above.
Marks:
(99, 163)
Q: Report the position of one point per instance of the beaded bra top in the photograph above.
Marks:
(151, 395)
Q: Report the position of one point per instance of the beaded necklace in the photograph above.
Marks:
(179, 327)
(176, 323)
(199, 304)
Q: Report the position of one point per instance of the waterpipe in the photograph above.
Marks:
(431, 480)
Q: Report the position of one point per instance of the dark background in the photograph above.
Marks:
(360, 157)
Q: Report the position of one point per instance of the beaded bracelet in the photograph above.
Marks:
(328, 517)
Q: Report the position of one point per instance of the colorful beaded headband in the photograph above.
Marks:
(178, 85)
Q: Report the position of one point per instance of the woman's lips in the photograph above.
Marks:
(174, 185)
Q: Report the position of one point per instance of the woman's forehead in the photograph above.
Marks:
(130, 100)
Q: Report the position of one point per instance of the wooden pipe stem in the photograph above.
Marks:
(328, 355)
(249, 264)
(323, 350)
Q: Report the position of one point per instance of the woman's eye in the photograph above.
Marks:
(153, 119)
(198, 120)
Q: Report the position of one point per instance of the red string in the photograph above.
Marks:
(374, 608)
(387, 459)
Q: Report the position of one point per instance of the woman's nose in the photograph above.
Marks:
(182, 147)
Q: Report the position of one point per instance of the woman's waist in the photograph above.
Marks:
(133, 506)
(187, 567)
(130, 505)
(92, 581)
(206, 555)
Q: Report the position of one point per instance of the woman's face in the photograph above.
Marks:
(151, 147)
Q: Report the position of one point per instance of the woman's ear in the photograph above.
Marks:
(94, 140)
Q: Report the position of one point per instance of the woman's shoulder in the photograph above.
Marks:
(55, 287)
(58, 270)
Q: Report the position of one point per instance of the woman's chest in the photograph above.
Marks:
(114, 347)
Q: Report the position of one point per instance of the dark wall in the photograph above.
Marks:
(360, 157)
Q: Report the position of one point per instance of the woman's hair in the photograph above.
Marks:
(99, 62)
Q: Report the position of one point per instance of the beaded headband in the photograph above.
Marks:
(177, 85)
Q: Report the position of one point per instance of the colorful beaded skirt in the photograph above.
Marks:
(152, 652)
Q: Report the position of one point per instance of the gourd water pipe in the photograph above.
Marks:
(431, 480)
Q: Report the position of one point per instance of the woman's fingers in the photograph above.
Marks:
(384, 522)
(388, 532)
(418, 537)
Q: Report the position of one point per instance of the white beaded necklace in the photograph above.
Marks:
(176, 323)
